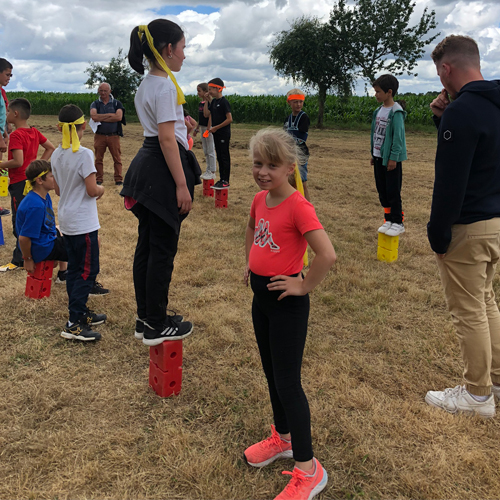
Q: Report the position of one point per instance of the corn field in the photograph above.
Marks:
(269, 109)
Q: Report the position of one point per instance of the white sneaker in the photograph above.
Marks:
(495, 390)
(207, 175)
(395, 229)
(384, 227)
(458, 400)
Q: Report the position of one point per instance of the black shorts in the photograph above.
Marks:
(59, 250)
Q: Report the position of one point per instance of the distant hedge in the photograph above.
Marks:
(255, 109)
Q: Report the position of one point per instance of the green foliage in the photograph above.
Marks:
(380, 37)
(315, 56)
(263, 109)
(123, 80)
(50, 103)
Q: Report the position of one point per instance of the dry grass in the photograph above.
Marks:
(79, 421)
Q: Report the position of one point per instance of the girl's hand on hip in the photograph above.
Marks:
(291, 285)
(184, 201)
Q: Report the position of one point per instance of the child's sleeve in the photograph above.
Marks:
(304, 123)
(398, 135)
(305, 217)
(41, 138)
(87, 164)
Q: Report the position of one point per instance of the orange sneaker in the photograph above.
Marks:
(267, 451)
(303, 486)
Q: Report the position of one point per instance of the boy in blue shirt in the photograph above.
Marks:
(388, 148)
(35, 222)
(297, 125)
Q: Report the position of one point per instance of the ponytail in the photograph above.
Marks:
(163, 33)
(136, 53)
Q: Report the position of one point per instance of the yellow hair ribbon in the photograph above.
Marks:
(300, 189)
(70, 135)
(144, 29)
(28, 187)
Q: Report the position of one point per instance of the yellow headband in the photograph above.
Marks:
(71, 137)
(143, 29)
(28, 187)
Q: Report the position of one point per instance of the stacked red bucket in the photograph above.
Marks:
(39, 283)
(207, 187)
(165, 368)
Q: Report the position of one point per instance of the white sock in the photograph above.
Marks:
(479, 399)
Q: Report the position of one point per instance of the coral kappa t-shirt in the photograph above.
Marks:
(279, 244)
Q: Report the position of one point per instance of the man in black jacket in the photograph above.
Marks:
(464, 226)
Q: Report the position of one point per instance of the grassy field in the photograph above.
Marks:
(79, 421)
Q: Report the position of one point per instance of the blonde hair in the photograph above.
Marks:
(277, 146)
(294, 92)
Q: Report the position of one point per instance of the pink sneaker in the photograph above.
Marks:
(267, 451)
(302, 486)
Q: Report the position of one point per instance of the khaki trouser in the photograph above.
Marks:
(467, 272)
(112, 142)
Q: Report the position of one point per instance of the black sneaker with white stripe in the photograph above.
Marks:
(139, 324)
(171, 330)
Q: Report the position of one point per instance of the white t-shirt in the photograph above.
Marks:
(156, 102)
(380, 127)
(77, 211)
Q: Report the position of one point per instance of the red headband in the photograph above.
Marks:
(296, 97)
(216, 86)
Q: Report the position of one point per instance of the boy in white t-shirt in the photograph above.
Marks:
(75, 182)
(388, 148)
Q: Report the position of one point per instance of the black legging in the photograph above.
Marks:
(281, 329)
(388, 185)
(153, 266)
(221, 143)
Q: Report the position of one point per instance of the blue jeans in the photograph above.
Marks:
(83, 267)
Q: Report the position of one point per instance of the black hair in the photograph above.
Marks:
(21, 105)
(216, 81)
(386, 83)
(4, 64)
(70, 113)
(35, 168)
(163, 31)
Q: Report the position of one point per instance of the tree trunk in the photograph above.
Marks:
(321, 105)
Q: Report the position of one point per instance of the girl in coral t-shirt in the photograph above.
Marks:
(282, 222)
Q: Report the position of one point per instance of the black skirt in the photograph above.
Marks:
(149, 181)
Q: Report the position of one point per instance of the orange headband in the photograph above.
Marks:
(296, 97)
(216, 86)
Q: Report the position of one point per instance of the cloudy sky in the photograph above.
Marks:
(50, 43)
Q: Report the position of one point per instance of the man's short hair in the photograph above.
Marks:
(22, 106)
(4, 64)
(104, 83)
(386, 83)
(457, 48)
(70, 113)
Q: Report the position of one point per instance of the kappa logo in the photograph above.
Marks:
(263, 236)
(447, 135)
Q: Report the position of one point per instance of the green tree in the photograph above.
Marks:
(313, 55)
(381, 38)
(123, 80)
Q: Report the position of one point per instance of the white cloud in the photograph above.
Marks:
(51, 43)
